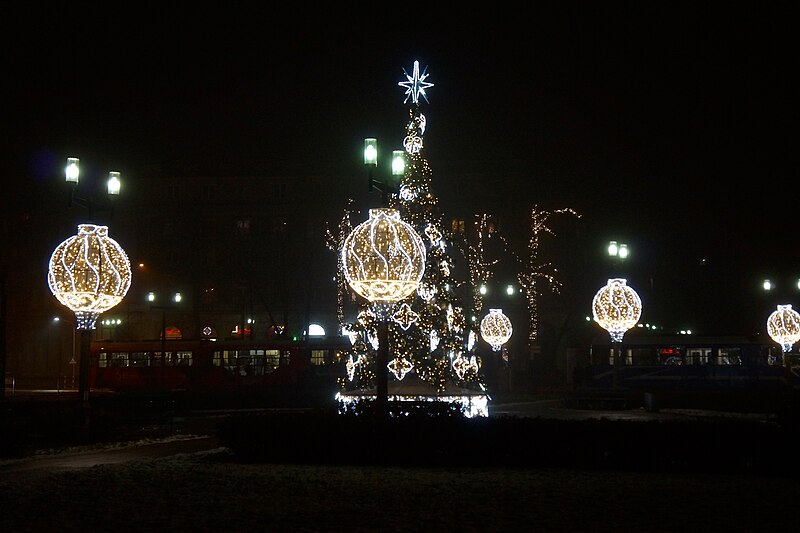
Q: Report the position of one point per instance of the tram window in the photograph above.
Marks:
(183, 358)
(273, 359)
(697, 356)
(286, 358)
(140, 359)
(729, 357)
(101, 360)
(118, 359)
(318, 357)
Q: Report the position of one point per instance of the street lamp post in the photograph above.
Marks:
(383, 260)
(371, 162)
(152, 297)
(618, 252)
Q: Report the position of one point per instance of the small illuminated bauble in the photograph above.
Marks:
(496, 328)
(89, 273)
(617, 308)
(783, 326)
(383, 259)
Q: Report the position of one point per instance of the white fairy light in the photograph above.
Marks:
(496, 328)
(783, 326)
(617, 308)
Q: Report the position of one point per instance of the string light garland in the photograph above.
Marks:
(783, 326)
(617, 308)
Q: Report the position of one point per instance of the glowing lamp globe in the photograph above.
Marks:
(89, 273)
(496, 329)
(383, 259)
(783, 325)
(617, 308)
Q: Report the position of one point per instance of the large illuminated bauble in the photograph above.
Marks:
(617, 308)
(496, 329)
(89, 273)
(783, 325)
(383, 259)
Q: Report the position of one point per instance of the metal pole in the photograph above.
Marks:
(381, 370)
(83, 378)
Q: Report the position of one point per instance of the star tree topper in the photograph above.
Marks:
(416, 84)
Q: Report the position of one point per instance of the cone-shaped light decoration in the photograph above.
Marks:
(496, 329)
(783, 325)
(89, 273)
(617, 308)
(383, 259)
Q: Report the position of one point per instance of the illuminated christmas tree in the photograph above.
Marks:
(428, 335)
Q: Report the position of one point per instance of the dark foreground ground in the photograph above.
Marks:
(292, 471)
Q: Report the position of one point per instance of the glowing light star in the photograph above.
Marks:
(783, 326)
(351, 368)
(89, 273)
(383, 258)
(496, 328)
(434, 339)
(400, 367)
(415, 84)
(412, 144)
(405, 316)
(617, 308)
(433, 234)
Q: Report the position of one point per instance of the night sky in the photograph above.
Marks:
(667, 125)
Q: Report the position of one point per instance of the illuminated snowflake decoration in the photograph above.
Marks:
(426, 291)
(460, 365)
(471, 338)
(405, 316)
(351, 368)
(372, 337)
(412, 144)
(415, 84)
(433, 234)
(407, 193)
(366, 317)
(434, 339)
(400, 367)
(418, 124)
(445, 268)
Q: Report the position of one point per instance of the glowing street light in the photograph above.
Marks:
(617, 308)
(383, 260)
(371, 162)
(89, 273)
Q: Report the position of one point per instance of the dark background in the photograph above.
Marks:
(669, 126)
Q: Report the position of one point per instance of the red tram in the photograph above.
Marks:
(210, 366)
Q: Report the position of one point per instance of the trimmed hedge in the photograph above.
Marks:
(321, 437)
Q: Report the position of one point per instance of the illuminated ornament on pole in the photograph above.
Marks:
(89, 273)
(433, 234)
(383, 259)
(617, 308)
(496, 328)
(434, 340)
(412, 144)
(350, 366)
(372, 337)
(783, 326)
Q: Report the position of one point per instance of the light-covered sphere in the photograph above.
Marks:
(383, 259)
(89, 272)
(617, 308)
(496, 329)
(783, 326)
